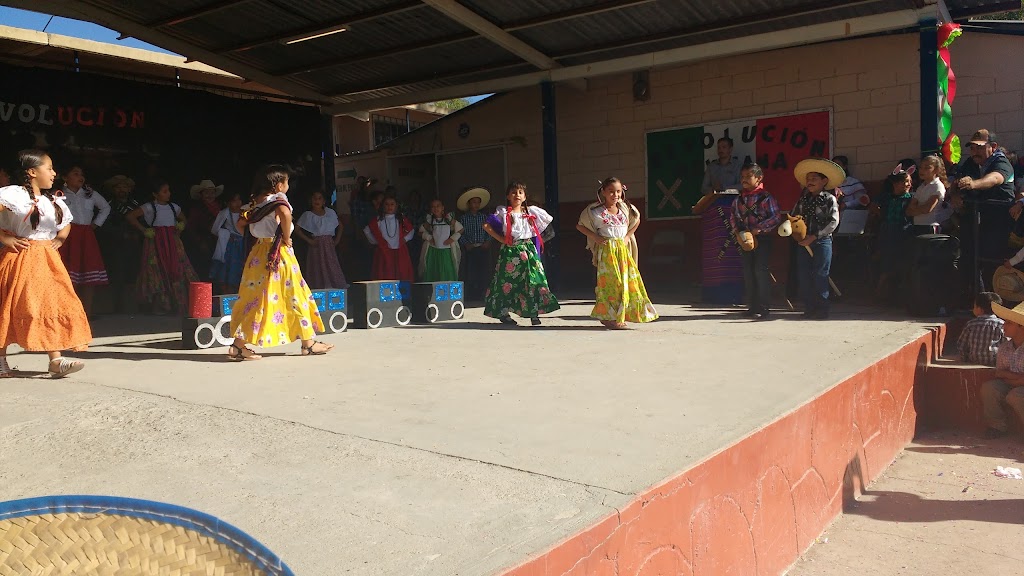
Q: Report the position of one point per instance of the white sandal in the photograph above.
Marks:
(64, 367)
(5, 369)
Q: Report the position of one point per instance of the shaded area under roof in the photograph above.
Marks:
(405, 51)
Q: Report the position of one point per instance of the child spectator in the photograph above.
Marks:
(851, 193)
(121, 243)
(894, 228)
(755, 212)
(202, 212)
(475, 242)
(229, 253)
(982, 335)
(926, 207)
(165, 269)
(440, 254)
(390, 232)
(820, 212)
(1008, 385)
(320, 228)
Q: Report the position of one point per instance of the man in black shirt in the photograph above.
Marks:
(986, 183)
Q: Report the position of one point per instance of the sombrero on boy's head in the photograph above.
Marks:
(1009, 284)
(481, 193)
(1014, 315)
(834, 172)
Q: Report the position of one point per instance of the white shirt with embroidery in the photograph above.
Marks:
(15, 219)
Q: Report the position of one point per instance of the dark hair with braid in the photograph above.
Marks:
(512, 187)
(399, 215)
(28, 160)
(268, 177)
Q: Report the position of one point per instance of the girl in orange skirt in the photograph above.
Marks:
(39, 310)
(274, 305)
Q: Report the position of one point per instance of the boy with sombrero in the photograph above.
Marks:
(1008, 385)
(475, 241)
(820, 212)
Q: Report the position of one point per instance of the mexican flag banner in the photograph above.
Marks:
(678, 157)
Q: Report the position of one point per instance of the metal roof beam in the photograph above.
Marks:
(447, 40)
(825, 32)
(84, 10)
(826, 6)
(322, 26)
(419, 79)
(197, 13)
(489, 30)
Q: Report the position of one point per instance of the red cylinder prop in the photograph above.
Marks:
(200, 300)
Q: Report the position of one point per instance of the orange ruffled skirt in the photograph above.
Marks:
(39, 309)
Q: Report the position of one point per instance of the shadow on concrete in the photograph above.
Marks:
(907, 507)
(185, 356)
(1008, 448)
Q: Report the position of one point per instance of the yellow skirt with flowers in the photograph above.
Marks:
(620, 293)
(274, 308)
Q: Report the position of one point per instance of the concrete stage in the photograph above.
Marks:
(473, 449)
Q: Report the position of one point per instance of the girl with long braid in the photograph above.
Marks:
(274, 304)
(519, 284)
(610, 225)
(39, 310)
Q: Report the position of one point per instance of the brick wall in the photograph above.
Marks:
(990, 90)
(872, 85)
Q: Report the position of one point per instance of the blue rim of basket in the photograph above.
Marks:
(179, 516)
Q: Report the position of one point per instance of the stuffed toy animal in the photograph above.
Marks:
(747, 241)
(794, 226)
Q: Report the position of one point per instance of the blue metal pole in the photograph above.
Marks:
(550, 138)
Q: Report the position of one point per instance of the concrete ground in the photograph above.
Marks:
(453, 449)
(937, 510)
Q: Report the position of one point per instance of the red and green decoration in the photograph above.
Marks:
(948, 142)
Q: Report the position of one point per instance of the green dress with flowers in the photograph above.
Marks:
(519, 285)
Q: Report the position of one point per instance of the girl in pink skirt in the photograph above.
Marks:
(321, 229)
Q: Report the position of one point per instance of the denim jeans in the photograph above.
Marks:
(814, 271)
(756, 276)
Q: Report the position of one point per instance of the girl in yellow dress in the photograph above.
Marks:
(609, 225)
(274, 304)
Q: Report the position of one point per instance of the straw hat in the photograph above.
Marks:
(205, 184)
(105, 534)
(1014, 315)
(1009, 284)
(834, 172)
(118, 180)
(468, 195)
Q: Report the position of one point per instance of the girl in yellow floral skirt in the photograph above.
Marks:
(609, 225)
(274, 305)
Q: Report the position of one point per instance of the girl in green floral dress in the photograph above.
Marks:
(519, 285)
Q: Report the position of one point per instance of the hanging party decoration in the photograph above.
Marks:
(948, 142)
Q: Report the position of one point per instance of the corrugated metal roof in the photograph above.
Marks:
(395, 47)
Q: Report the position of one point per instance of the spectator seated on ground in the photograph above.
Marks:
(1008, 385)
(980, 339)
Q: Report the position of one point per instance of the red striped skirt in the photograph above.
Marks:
(82, 257)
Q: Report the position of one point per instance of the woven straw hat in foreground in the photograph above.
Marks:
(101, 535)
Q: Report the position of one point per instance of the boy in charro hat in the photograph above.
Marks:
(820, 212)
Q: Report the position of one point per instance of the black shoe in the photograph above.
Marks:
(748, 314)
(993, 434)
(508, 320)
(535, 321)
(766, 315)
